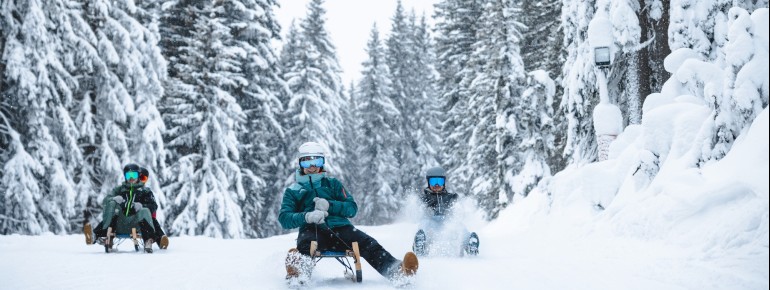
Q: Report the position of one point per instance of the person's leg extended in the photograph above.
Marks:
(108, 214)
(144, 219)
(371, 250)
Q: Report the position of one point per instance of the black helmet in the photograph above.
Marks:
(144, 174)
(131, 167)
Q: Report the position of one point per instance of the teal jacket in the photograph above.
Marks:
(298, 200)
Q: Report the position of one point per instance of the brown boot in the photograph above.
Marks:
(409, 265)
(89, 233)
(293, 263)
(163, 244)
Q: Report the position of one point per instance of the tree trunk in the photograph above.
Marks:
(652, 75)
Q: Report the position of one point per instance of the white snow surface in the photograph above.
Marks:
(554, 257)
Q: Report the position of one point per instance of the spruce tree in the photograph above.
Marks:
(579, 83)
(494, 91)
(37, 180)
(204, 118)
(253, 27)
(311, 71)
(457, 23)
(379, 202)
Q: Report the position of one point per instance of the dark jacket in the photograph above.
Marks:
(298, 200)
(438, 203)
(134, 193)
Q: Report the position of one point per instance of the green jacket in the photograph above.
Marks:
(298, 200)
(133, 193)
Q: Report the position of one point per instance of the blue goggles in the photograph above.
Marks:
(433, 181)
(132, 175)
(307, 162)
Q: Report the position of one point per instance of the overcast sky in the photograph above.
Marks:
(349, 23)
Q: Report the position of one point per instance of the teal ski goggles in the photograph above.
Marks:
(132, 175)
(308, 161)
(433, 181)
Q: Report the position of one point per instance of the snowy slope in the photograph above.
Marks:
(547, 258)
(684, 228)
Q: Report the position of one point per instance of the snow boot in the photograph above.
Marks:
(163, 244)
(298, 268)
(293, 264)
(419, 246)
(148, 246)
(89, 233)
(473, 245)
(409, 265)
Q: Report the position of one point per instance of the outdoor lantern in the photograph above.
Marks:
(601, 40)
(602, 56)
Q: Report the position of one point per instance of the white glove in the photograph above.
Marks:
(316, 217)
(321, 204)
(118, 199)
(138, 206)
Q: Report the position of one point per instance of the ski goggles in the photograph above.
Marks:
(143, 178)
(433, 181)
(132, 175)
(308, 161)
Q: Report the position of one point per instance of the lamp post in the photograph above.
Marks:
(607, 118)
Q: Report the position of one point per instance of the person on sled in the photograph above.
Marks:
(437, 221)
(128, 203)
(321, 207)
(160, 236)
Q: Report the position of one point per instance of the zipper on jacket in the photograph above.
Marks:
(130, 198)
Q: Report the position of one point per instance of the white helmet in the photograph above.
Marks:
(310, 149)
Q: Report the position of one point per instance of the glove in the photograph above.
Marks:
(316, 217)
(321, 204)
(118, 199)
(137, 206)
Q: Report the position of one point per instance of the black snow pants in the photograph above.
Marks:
(374, 254)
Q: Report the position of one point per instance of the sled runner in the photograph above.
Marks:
(117, 238)
(341, 257)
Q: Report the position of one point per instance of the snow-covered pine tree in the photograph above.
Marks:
(746, 55)
(541, 45)
(312, 73)
(703, 27)
(123, 84)
(254, 27)
(204, 118)
(457, 22)
(579, 82)
(355, 180)
(293, 55)
(36, 90)
(427, 137)
(542, 48)
(494, 92)
(399, 50)
(535, 136)
(378, 200)
(745, 92)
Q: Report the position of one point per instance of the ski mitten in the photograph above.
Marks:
(321, 204)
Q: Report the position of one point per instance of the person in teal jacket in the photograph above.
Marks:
(320, 207)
